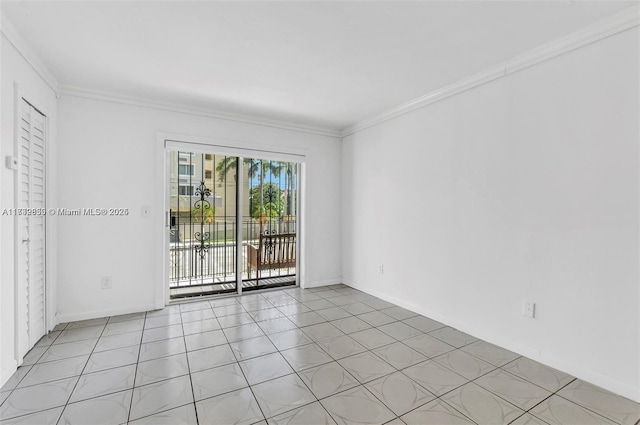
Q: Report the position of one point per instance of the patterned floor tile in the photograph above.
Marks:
(350, 324)
(559, 411)
(43, 417)
(436, 378)
(216, 381)
(185, 415)
(234, 408)
(271, 356)
(515, 390)
(282, 394)
(490, 353)
(376, 318)
(398, 313)
(265, 368)
(52, 371)
(69, 349)
(341, 347)
(105, 382)
(289, 339)
(609, 405)
(23, 401)
(464, 364)
(322, 331)
(372, 338)
(399, 355)
(423, 324)
(541, 375)
(160, 369)
(481, 406)
(366, 367)
(436, 412)
(253, 347)
(453, 337)
(113, 358)
(400, 331)
(164, 395)
(163, 348)
(112, 408)
(399, 393)
(357, 406)
(310, 414)
(211, 357)
(327, 379)
(306, 356)
(428, 345)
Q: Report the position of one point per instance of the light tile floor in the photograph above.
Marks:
(318, 356)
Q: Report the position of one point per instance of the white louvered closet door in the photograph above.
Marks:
(31, 228)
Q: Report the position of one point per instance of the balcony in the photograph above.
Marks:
(203, 261)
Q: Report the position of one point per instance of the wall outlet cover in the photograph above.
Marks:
(529, 309)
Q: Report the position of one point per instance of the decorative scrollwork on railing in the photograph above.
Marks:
(202, 191)
(203, 248)
(269, 243)
(203, 237)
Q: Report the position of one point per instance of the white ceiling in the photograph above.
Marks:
(328, 64)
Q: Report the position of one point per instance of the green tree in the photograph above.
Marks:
(267, 200)
(204, 215)
(256, 168)
(290, 175)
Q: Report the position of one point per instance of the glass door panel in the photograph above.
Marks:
(221, 203)
(203, 243)
(270, 224)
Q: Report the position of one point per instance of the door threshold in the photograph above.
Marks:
(227, 294)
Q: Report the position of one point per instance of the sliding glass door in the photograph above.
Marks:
(202, 231)
(270, 240)
(232, 223)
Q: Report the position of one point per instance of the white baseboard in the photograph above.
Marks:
(326, 282)
(96, 314)
(615, 386)
(7, 372)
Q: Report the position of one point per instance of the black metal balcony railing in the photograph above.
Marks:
(189, 265)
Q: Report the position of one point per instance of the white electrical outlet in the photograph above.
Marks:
(529, 309)
(106, 282)
(381, 268)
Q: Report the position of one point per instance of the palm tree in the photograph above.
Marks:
(273, 201)
(255, 167)
(290, 174)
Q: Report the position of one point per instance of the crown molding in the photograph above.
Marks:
(191, 110)
(622, 21)
(9, 31)
(617, 23)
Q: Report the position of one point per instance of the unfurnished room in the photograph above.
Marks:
(320, 212)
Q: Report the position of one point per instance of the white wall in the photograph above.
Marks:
(16, 72)
(523, 188)
(107, 157)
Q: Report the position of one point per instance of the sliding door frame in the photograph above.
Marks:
(242, 149)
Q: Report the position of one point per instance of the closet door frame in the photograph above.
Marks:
(49, 225)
